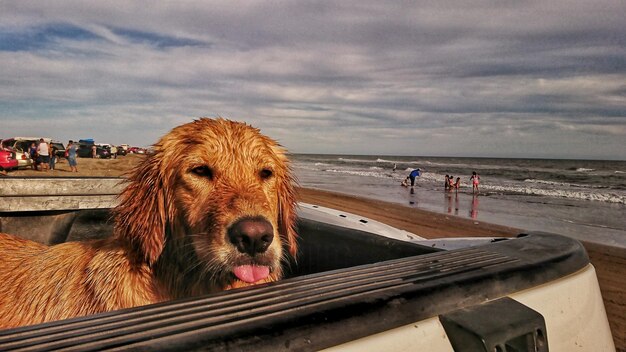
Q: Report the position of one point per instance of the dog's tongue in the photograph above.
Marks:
(251, 273)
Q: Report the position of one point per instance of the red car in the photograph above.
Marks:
(135, 150)
(7, 159)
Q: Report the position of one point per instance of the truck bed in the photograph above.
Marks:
(351, 289)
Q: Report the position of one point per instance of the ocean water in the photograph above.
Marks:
(584, 199)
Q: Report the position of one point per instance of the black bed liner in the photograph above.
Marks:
(326, 301)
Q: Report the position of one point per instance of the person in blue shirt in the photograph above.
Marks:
(33, 155)
(415, 173)
(71, 156)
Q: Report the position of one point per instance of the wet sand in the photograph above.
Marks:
(86, 167)
(609, 262)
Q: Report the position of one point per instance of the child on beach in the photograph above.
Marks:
(451, 183)
(446, 182)
(475, 179)
(457, 184)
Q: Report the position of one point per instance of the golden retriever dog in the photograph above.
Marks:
(213, 208)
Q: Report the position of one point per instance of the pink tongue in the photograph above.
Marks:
(251, 273)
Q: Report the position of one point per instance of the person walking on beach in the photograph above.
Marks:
(446, 182)
(457, 184)
(475, 179)
(71, 156)
(415, 173)
(44, 154)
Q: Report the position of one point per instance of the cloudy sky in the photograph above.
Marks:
(480, 78)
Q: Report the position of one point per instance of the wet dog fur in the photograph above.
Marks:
(212, 208)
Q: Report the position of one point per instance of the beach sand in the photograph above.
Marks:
(610, 262)
(86, 167)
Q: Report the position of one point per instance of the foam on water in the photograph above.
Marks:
(527, 187)
(579, 195)
(582, 199)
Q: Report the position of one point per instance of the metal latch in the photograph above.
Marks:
(502, 325)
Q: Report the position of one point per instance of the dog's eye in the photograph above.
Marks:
(203, 171)
(265, 174)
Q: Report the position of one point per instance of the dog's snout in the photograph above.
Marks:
(251, 235)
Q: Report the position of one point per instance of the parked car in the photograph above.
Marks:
(121, 151)
(85, 150)
(106, 147)
(20, 146)
(7, 159)
(136, 150)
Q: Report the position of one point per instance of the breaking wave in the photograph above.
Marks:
(554, 189)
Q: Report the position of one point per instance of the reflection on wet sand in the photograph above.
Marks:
(451, 203)
(448, 198)
(412, 198)
(474, 207)
(449, 208)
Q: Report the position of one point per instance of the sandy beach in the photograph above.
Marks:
(610, 262)
(86, 168)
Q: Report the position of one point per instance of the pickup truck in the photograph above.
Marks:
(357, 285)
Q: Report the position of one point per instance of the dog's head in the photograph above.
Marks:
(216, 195)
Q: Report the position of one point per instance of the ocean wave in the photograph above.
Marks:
(304, 167)
(560, 193)
(376, 161)
(359, 173)
(552, 183)
(435, 178)
(562, 184)
(583, 169)
(347, 160)
(387, 161)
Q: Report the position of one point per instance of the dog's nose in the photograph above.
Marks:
(251, 235)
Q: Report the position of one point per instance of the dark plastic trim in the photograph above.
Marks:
(500, 325)
(319, 310)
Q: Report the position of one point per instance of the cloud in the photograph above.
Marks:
(484, 78)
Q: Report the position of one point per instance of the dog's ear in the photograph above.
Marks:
(288, 216)
(141, 216)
